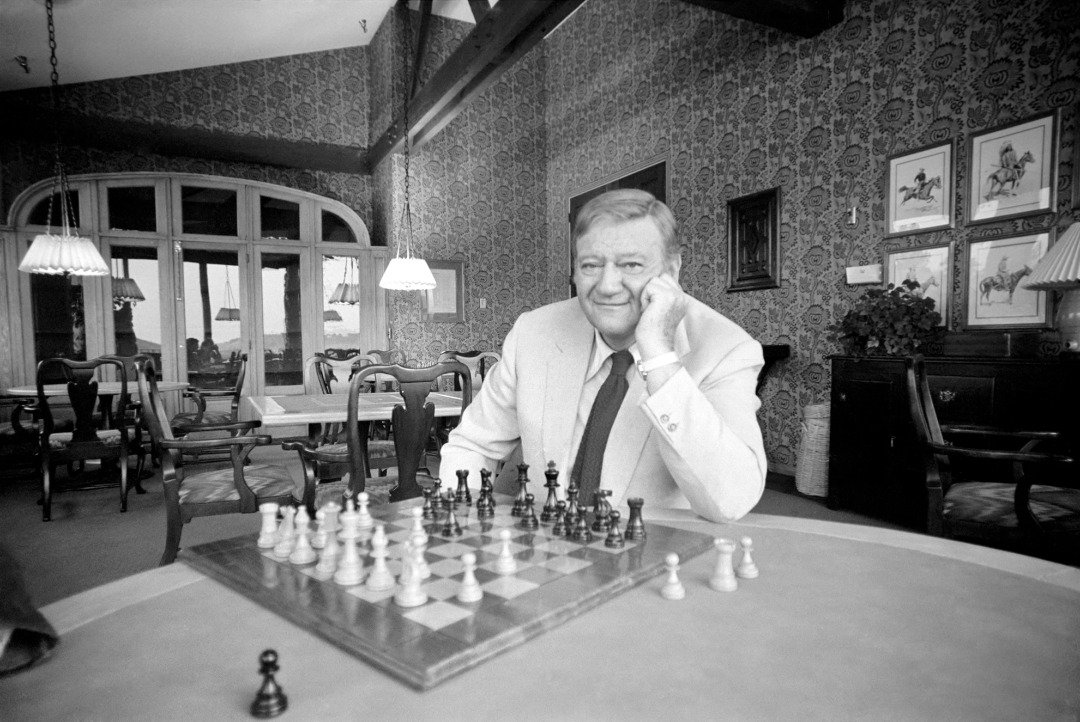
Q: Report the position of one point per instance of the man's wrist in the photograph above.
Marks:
(648, 365)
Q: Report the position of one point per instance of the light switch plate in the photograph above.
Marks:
(864, 274)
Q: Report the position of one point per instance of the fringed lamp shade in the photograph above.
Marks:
(125, 290)
(1059, 270)
(58, 254)
(227, 313)
(347, 293)
(407, 274)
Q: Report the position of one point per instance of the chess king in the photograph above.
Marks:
(673, 421)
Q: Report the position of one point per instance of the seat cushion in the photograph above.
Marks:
(62, 439)
(189, 417)
(381, 450)
(991, 503)
(217, 484)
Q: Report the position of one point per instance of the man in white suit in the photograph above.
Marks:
(685, 435)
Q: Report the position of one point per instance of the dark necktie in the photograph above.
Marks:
(590, 457)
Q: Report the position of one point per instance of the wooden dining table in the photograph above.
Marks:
(278, 411)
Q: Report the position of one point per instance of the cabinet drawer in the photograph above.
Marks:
(963, 399)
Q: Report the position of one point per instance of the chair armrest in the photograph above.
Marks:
(977, 430)
(995, 455)
(209, 392)
(316, 453)
(219, 443)
(234, 426)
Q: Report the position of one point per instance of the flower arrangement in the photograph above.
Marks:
(891, 321)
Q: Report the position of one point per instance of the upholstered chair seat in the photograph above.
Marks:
(62, 439)
(187, 418)
(217, 484)
(993, 504)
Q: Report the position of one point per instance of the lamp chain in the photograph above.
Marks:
(405, 52)
(67, 215)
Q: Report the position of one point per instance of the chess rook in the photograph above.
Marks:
(723, 577)
(268, 533)
(635, 528)
(463, 496)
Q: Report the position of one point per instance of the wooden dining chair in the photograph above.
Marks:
(19, 449)
(197, 421)
(102, 434)
(412, 422)
(994, 485)
(479, 363)
(238, 488)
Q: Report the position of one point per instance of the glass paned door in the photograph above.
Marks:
(214, 317)
(282, 321)
(137, 327)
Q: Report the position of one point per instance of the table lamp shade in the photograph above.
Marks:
(125, 289)
(407, 274)
(55, 254)
(1059, 270)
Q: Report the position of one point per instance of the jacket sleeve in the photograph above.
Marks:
(709, 437)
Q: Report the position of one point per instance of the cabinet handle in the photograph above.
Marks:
(843, 396)
(946, 395)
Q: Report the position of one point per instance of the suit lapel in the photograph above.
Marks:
(565, 375)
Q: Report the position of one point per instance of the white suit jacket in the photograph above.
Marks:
(695, 443)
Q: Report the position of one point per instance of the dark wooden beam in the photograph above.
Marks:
(421, 43)
(479, 9)
(805, 18)
(20, 120)
(504, 33)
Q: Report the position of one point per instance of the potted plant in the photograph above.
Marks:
(892, 321)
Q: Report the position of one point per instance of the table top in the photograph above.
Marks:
(844, 621)
(330, 408)
(105, 388)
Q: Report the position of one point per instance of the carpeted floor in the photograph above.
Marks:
(89, 542)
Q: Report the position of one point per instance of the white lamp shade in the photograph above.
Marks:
(55, 254)
(347, 293)
(407, 274)
(227, 314)
(1060, 267)
(126, 290)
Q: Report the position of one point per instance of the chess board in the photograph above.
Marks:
(556, 579)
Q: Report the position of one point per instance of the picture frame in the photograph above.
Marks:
(446, 302)
(931, 266)
(754, 241)
(919, 189)
(1028, 187)
(994, 269)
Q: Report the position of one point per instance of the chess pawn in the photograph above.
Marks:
(723, 578)
(348, 519)
(463, 495)
(364, 519)
(552, 483)
(747, 568)
(380, 579)
(268, 533)
(635, 528)
(270, 701)
(318, 539)
(581, 531)
(505, 564)
(528, 514)
(286, 535)
(673, 588)
(302, 553)
(470, 590)
(350, 570)
(560, 519)
(428, 510)
(328, 556)
(614, 538)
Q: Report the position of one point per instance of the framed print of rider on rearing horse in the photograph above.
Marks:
(919, 190)
(996, 269)
(1013, 170)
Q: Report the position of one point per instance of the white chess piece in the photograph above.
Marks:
(410, 593)
(747, 568)
(268, 534)
(364, 520)
(348, 520)
(286, 535)
(350, 569)
(419, 543)
(380, 579)
(302, 553)
(673, 588)
(328, 556)
(505, 564)
(318, 539)
(723, 578)
(470, 590)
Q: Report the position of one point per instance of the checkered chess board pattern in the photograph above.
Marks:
(556, 579)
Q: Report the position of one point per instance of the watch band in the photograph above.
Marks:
(645, 367)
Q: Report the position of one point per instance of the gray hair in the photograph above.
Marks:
(627, 204)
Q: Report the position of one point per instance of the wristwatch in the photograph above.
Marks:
(647, 367)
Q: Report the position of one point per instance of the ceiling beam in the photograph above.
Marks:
(805, 18)
(479, 8)
(502, 35)
(34, 122)
(421, 44)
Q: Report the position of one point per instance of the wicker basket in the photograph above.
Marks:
(812, 466)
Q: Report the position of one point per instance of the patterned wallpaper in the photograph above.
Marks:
(317, 97)
(739, 108)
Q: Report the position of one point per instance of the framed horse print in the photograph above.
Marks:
(1013, 170)
(930, 267)
(995, 296)
(919, 190)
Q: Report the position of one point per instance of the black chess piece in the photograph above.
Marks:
(485, 483)
(451, 527)
(614, 538)
(635, 528)
(449, 500)
(429, 508)
(463, 496)
(436, 494)
(601, 509)
(523, 480)
(551, 485)
(560, 519)
(270, 701)
(528, 514)
(483, 509)
(572, 508)
(581, 531)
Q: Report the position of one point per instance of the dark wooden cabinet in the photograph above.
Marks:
(874, 463)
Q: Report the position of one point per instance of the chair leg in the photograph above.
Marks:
(174, 526)
(123, 484)
(46, 491)
(140, 465)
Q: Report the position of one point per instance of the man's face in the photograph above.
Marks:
(614, 262)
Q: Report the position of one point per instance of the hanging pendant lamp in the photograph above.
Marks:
(125, 290)
(348, 291)
(228, 312)
(406, 272)
(65, 252)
